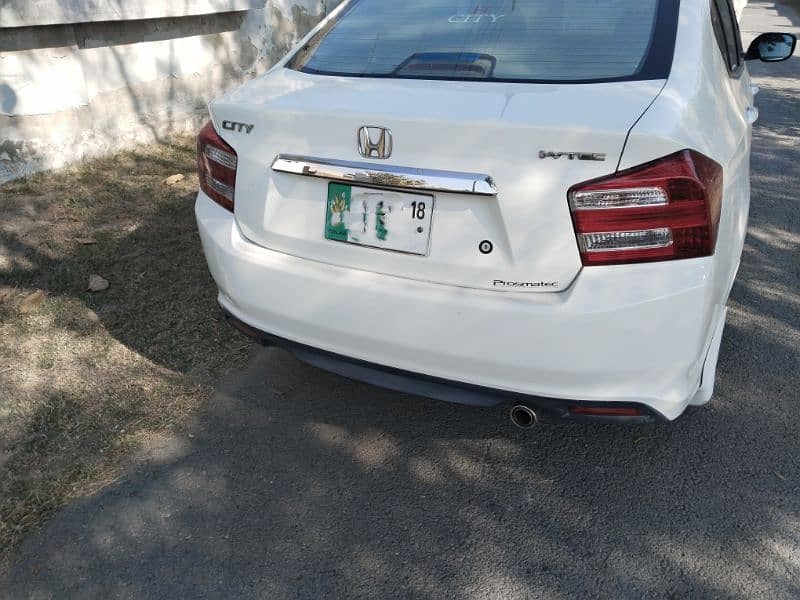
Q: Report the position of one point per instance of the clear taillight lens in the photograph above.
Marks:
(216, 164)
(664, 210)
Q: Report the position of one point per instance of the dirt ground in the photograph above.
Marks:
(86, 376)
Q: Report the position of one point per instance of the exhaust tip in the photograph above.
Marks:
(523, 416)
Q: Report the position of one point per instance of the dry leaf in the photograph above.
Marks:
(173, 179)
(32, 302)
(97, 284)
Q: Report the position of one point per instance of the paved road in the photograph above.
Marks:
(297, 483)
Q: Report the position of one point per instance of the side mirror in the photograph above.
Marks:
(772, 47)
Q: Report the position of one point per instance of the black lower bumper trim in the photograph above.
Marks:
(547, 409)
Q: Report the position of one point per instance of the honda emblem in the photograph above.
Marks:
(375, 142)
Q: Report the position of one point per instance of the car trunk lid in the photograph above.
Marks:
(531, 141)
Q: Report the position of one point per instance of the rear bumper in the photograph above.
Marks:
(629, 334)
(547, 409)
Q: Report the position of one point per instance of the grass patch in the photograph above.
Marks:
(86, 377)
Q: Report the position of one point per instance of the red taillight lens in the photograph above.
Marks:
(663, 210)
(216, 164)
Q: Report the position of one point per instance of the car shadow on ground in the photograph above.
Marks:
(297, 483)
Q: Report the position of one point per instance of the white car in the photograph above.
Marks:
(540, 203)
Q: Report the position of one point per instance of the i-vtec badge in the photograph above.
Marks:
(572, 155)
(525, 284)
(236, 126)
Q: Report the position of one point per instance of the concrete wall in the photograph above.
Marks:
(87, 77)
(739, 6)
(21, 13)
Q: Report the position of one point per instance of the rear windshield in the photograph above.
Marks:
(499, 40)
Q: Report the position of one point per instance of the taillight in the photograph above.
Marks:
(216, 164)
(664, 210)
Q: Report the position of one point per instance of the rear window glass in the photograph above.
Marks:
(503, 40)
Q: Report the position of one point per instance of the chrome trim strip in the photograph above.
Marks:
(404, 178)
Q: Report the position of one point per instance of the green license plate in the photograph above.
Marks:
(384, 219)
